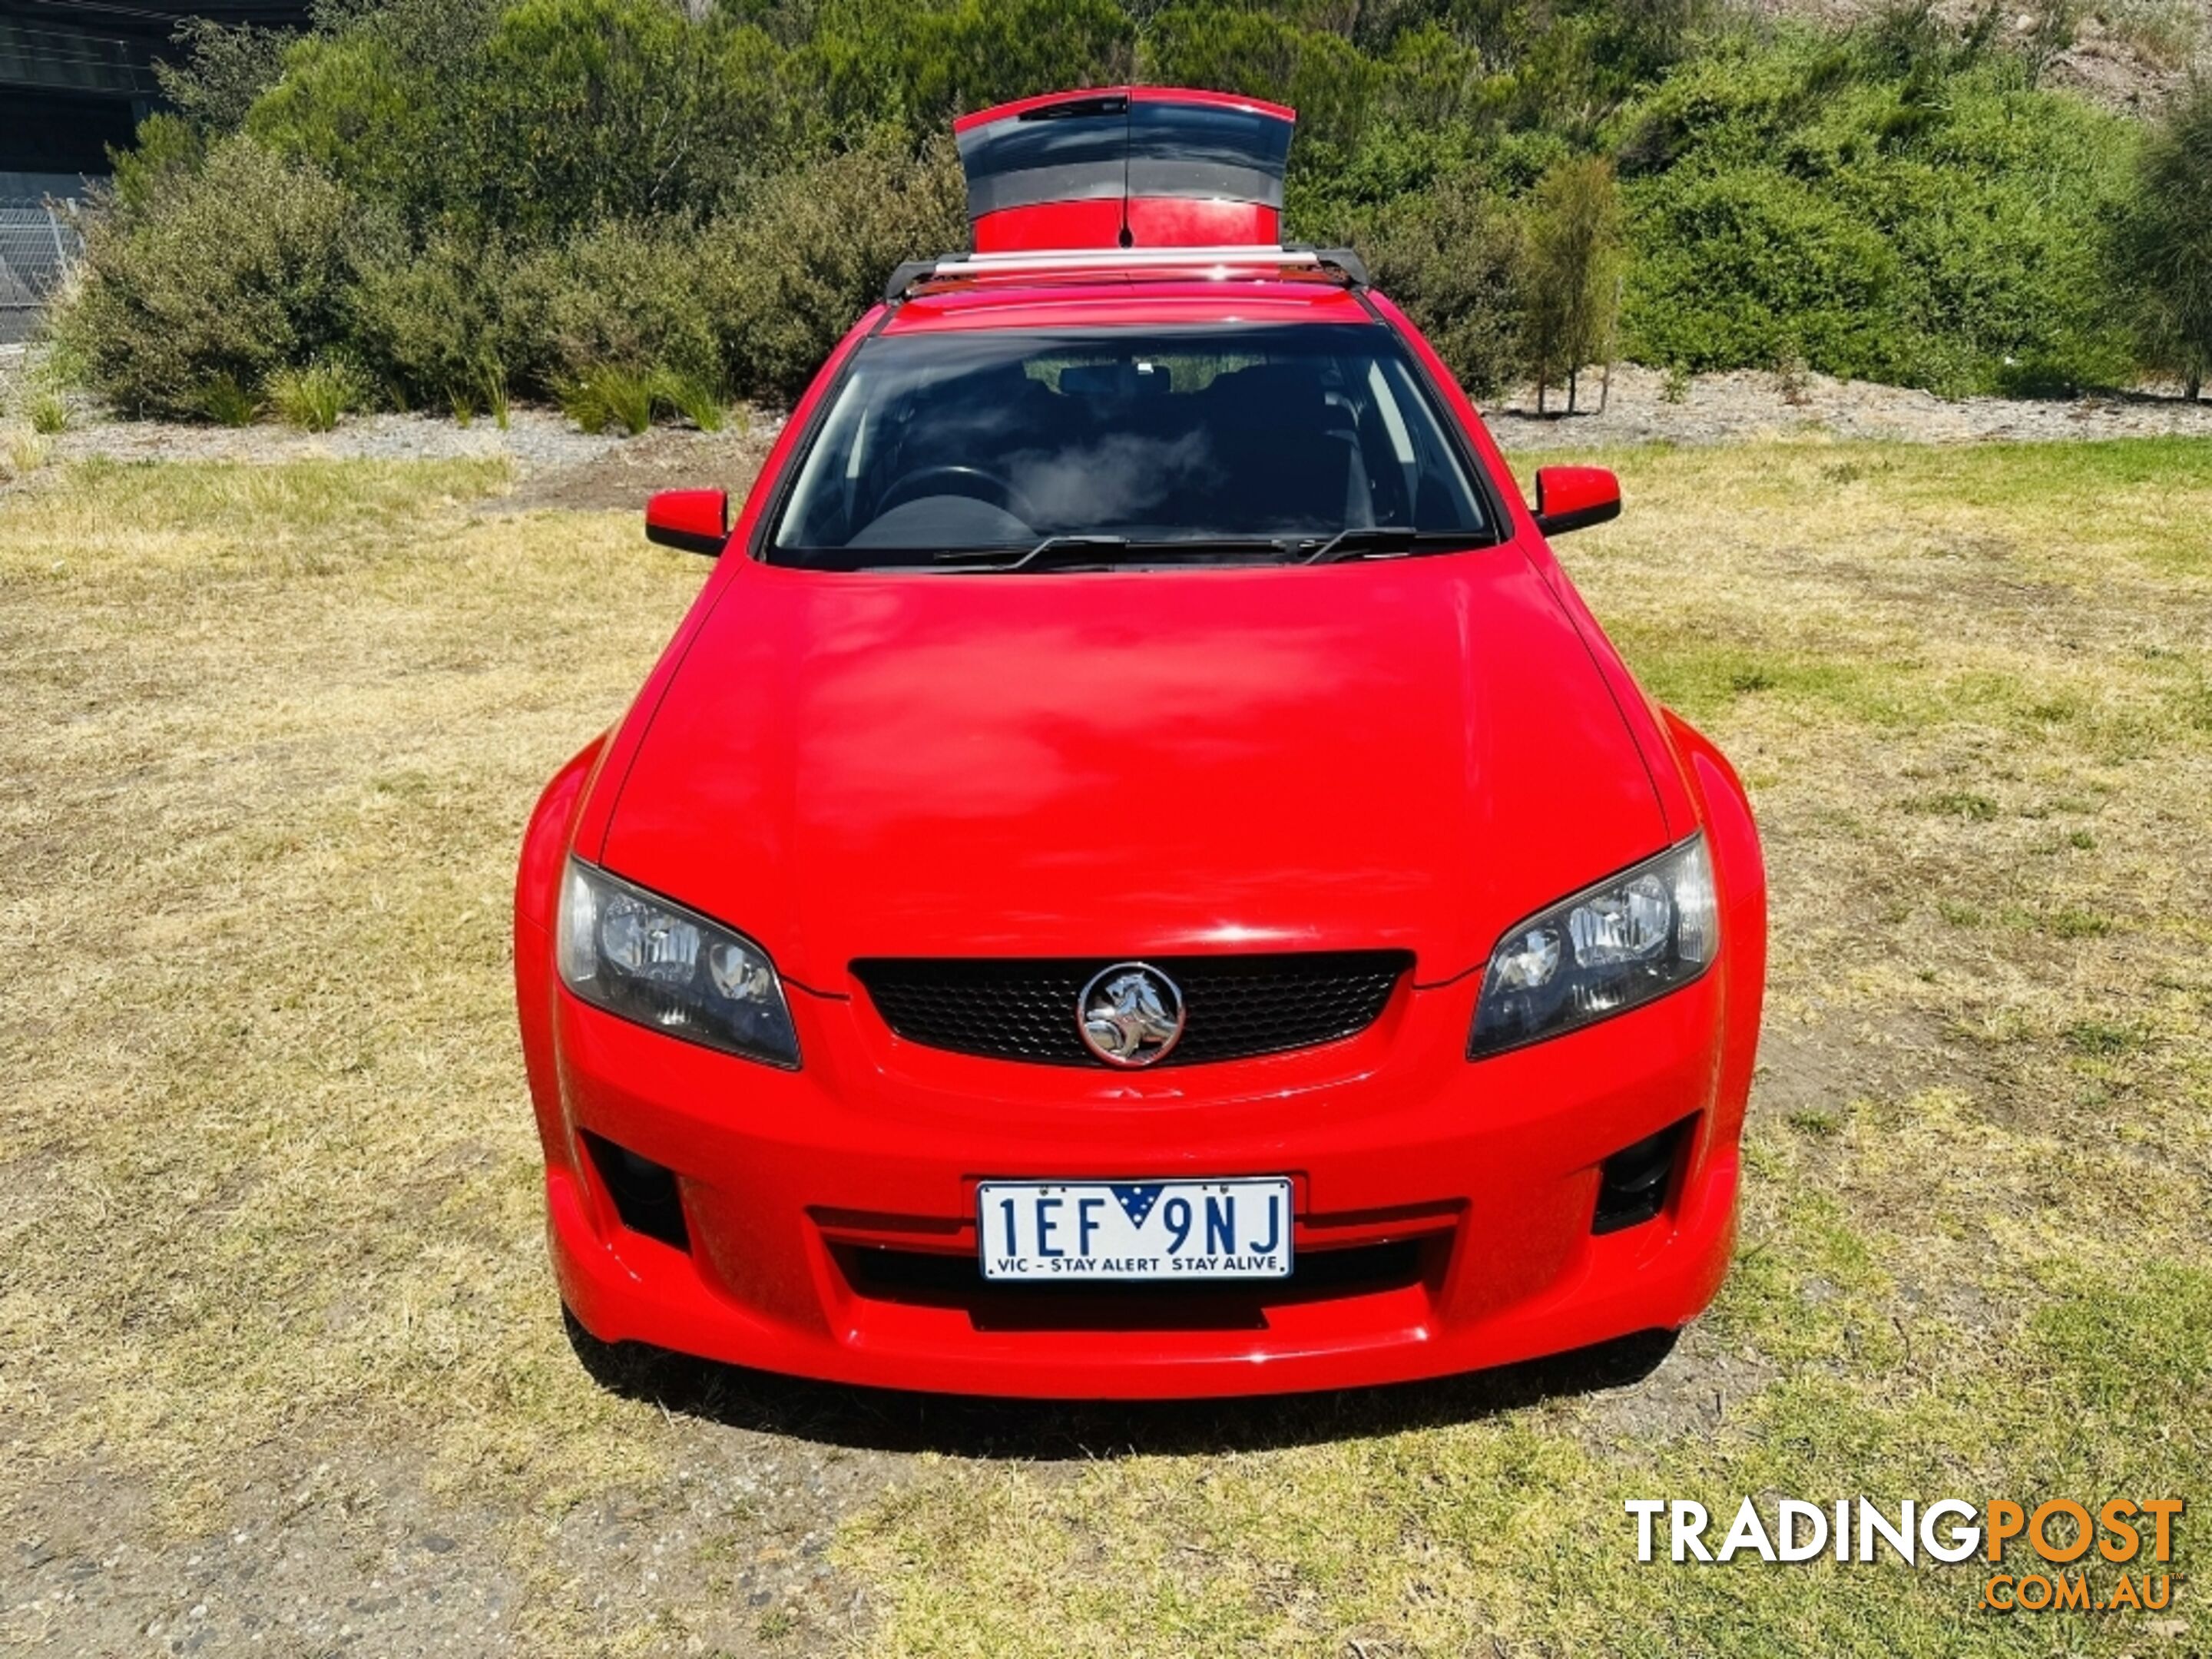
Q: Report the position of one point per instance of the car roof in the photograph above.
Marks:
(1107, 299)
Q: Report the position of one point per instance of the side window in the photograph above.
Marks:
(825, 502)
(1442, 494)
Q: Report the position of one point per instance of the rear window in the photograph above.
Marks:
(982, 441)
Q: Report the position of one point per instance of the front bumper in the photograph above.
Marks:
(1445, 1209)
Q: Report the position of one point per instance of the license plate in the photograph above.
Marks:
(1070, 1232)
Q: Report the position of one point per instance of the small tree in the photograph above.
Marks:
(2165, 240)
(1572, 273)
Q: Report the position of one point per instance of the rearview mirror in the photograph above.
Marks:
(697, 520)
(1575, 498)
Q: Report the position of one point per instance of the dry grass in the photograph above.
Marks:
(269, 1172)
(268, 1188)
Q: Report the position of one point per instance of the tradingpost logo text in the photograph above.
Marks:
(2054, 1554)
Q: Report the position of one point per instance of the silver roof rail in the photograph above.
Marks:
(1110, 261)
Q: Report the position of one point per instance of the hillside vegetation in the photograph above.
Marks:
(641, 211)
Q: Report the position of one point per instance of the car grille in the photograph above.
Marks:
(1023, 1009)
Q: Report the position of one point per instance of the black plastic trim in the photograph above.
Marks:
(688, 541)
(645, 1194)
(1633, 1184)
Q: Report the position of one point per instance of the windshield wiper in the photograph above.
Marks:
(1105, 552)
(1073, 552)
(1045, 555)
(1369, 541)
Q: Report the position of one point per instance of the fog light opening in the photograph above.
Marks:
(644, 1192)
(1633, 1184)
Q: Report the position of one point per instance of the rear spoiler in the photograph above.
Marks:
(1125, 167)
(1339, 262)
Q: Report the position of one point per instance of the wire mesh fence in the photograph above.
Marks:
(39, 243)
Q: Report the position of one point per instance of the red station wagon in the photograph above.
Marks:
(1138, 875)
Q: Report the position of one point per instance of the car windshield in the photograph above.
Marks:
(977, 448)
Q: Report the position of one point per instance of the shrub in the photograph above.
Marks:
(495, 397)
(630, 294)
(608, 395)
(377, 101)
(1450, 255)
(49, 412)
(2164, 240)
(924, 64)
(169, 151)
(220, 71)
(236, 271)
(689, 397)
(535, 117)
(313, 398)
(580, 111)
(1902, 208)
(1741, 265)
(427, 321)
(473, 195)
(813, 254)
(222, 400)
(611, 395)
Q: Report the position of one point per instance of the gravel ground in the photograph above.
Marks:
(1752, 404)
(536, 439)
(558, 466)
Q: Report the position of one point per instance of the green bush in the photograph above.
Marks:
(168, 152)
(222, 69)
(49, 412)
(608, 395)
(1746, 264)
(231, 271)
(222, 400)
(1450, 254)
(536, 117)
(812, 255)
(1571, 272)
(924, 64)
(2164, 242)
(1904, 208)
(582, 111)
(314, 396)
(633, 295)
(1331, 84)
(692, 399)
(428, 321)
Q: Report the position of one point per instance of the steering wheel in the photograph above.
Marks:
(954, 479)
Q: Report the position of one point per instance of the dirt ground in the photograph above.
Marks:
(281, 1368)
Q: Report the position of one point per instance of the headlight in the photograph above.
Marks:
(1633, 937)
(625, 951)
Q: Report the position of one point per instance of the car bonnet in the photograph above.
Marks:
(1410, 754)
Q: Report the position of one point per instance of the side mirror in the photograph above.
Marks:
(697, 520)
(1575, 498)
